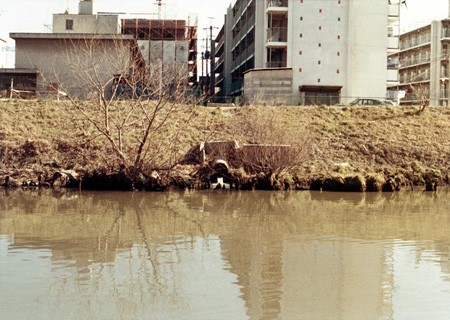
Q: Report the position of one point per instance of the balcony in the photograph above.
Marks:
(276, 64)
(220, 64)
(392, 76)
(445, 33)
(415, 42)
(236, 86)
(219, 80)
(277, 37)
(393, 43)
(220, 47)
(392, 63)
(415, 78)
(394, 10)
(414, 62)
(274, 6)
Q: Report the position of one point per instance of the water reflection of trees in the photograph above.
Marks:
(96, 232)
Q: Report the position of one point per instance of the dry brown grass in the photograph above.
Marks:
(45, 134)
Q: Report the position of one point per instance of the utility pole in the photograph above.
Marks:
(213, 65)
(207, 56)
(202, 82)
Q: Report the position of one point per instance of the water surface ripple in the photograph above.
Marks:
(224, 255)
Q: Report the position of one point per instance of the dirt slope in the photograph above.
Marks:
(39, 137)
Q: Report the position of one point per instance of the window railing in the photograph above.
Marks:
(392, 65)
(414, 61)
(415, 78)
(414, 42)
(277, 3)
(394, 10)
(236, 86)
(276, 64)
(277, 34)
(446, 33)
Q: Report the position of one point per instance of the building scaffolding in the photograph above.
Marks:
(161, 34)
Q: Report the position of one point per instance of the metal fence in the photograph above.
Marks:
(308, 100)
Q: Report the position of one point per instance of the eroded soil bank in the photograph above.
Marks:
(48, 143)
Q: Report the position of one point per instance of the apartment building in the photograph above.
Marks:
(307, 51)
(424, 62)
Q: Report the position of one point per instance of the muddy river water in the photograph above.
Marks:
(224, 255)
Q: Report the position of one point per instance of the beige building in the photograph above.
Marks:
(86, 21)
(55, 64)
(336, 50)
(65, 61)
(49, 64)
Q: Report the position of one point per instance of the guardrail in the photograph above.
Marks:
(277, 3)
(277, 34)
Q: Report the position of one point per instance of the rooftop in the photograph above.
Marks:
(73, 36)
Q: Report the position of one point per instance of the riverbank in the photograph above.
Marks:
(338, 148)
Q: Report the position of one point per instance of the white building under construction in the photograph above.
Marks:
(307, 51)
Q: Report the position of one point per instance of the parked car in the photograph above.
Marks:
(372, 102)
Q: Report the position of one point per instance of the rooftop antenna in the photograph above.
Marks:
(48, 27)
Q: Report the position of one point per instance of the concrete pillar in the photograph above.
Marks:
(435, 70)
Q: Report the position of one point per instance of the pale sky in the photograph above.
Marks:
(36, 15)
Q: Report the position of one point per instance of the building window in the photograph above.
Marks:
(69, 24)
(339, 19)
(300, 70)
(339, 37)
(301, 18)
(300, 52)
(320, 27)
(337, 71)
(301, 35)
(338, 54)
(320, 10)
(320, 45)
(318, 62)
(318, 80)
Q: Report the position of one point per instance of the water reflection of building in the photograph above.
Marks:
(318, 255)
(284, 272)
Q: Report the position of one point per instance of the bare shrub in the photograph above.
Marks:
(421, 93)
(139, 109)
(272, 145)
(260, 98)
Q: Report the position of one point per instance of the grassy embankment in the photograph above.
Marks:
(350, 148)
